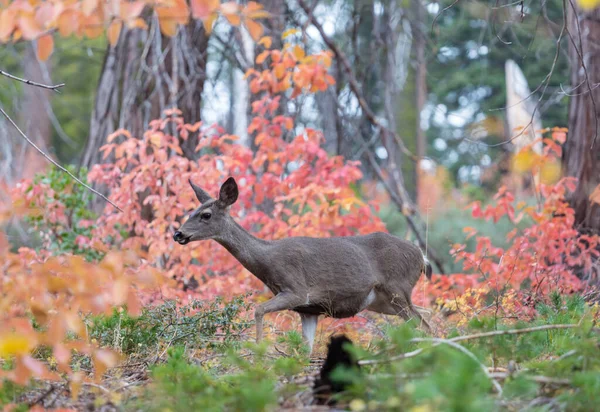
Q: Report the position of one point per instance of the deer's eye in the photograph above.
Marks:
(205, 215)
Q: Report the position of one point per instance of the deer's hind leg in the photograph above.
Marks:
(398, 304)
(309, 328)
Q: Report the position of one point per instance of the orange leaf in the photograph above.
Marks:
(93, 26)
(45, 46)
(114, 30)
(204, 9)
(255, 11)
(67, 23)
(170, 17)
(233, 18)
(7, 23)
(131, 10)
(168, 27)
(255, 29)
(298, 52)
(262, 57)
(29, 27)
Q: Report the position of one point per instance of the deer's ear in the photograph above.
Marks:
(202, 196)
(229, 192)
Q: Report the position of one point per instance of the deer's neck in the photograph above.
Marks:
(249, 250)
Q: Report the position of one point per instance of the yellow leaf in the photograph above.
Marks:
(137, 23)
(289, 32)
(298, 52)
(588, 4)
(114, 30)
(266, 41)
(15, 344)
(208, 23)
(156, 139)
(45, 46)
(357, 405)
(260, 14)
(523, 161)
(255, 29)
(550, 172)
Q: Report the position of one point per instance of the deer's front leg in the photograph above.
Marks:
(282, 301)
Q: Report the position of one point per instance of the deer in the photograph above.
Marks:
(332, 276)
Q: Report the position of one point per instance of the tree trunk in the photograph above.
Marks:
(33, 118)
(579, 160)
(144, 74)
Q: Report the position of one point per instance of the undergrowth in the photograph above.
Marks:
(199, 357)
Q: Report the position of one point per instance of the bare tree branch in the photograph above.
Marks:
(341, 57)
(55, 163)
(29, 82)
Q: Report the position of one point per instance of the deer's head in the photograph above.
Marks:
(212, 217)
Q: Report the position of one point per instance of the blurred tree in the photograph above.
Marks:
(469, 45)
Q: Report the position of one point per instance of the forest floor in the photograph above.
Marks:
(175, 359)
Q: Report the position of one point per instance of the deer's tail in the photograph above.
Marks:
(427, 269)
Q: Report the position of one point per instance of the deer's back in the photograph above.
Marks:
(347, 263)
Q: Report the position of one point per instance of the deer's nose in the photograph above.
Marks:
(178, 236)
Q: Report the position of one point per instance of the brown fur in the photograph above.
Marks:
(338, 276)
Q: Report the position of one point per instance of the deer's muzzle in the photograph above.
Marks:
(181, 238)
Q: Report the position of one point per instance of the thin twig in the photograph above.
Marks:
(512, 332)
(29, 82)
(468, 337)
(95, 385)
(535, 378)
(466, 352)
(56, 164)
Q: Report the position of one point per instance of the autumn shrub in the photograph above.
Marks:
(544, 251)
(289, 185)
